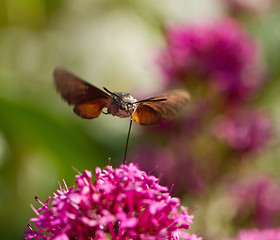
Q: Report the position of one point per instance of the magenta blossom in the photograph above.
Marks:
(176, 167)
(244, 130)
(257, 234)
(122, 203)
(219, 54)
(257, 201)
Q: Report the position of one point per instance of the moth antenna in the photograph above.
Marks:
(108, 91)
(151, 100)
(126, 145)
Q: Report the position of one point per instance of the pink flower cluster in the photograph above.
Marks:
(257, 234)
(176, 167)
(244, 130)
(122, 203)
(257, 200)
(219, 54)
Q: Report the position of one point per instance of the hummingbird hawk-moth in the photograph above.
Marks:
(89, 101)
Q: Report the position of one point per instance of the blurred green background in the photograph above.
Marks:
(109, 43)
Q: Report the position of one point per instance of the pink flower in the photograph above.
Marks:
(257, 201)
(221, 55)
(174, 166)
(122, 203)
(244, 130)
(257, 234)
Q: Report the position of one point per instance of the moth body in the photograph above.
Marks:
(122, 105)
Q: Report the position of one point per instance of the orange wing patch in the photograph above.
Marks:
(90, 109)
(146, 115)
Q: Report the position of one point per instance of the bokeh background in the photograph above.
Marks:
(221, 158)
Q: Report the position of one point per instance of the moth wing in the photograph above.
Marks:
(74, 90)
(90, 109)
(173, 106)
(145, 115)
(88, 100)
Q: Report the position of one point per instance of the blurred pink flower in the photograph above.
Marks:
(244, 130)
(175, 167)
(257, 201)
(257, 234)
(220, 54)
(122, 203)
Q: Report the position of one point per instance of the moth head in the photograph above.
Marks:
(124, 101)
